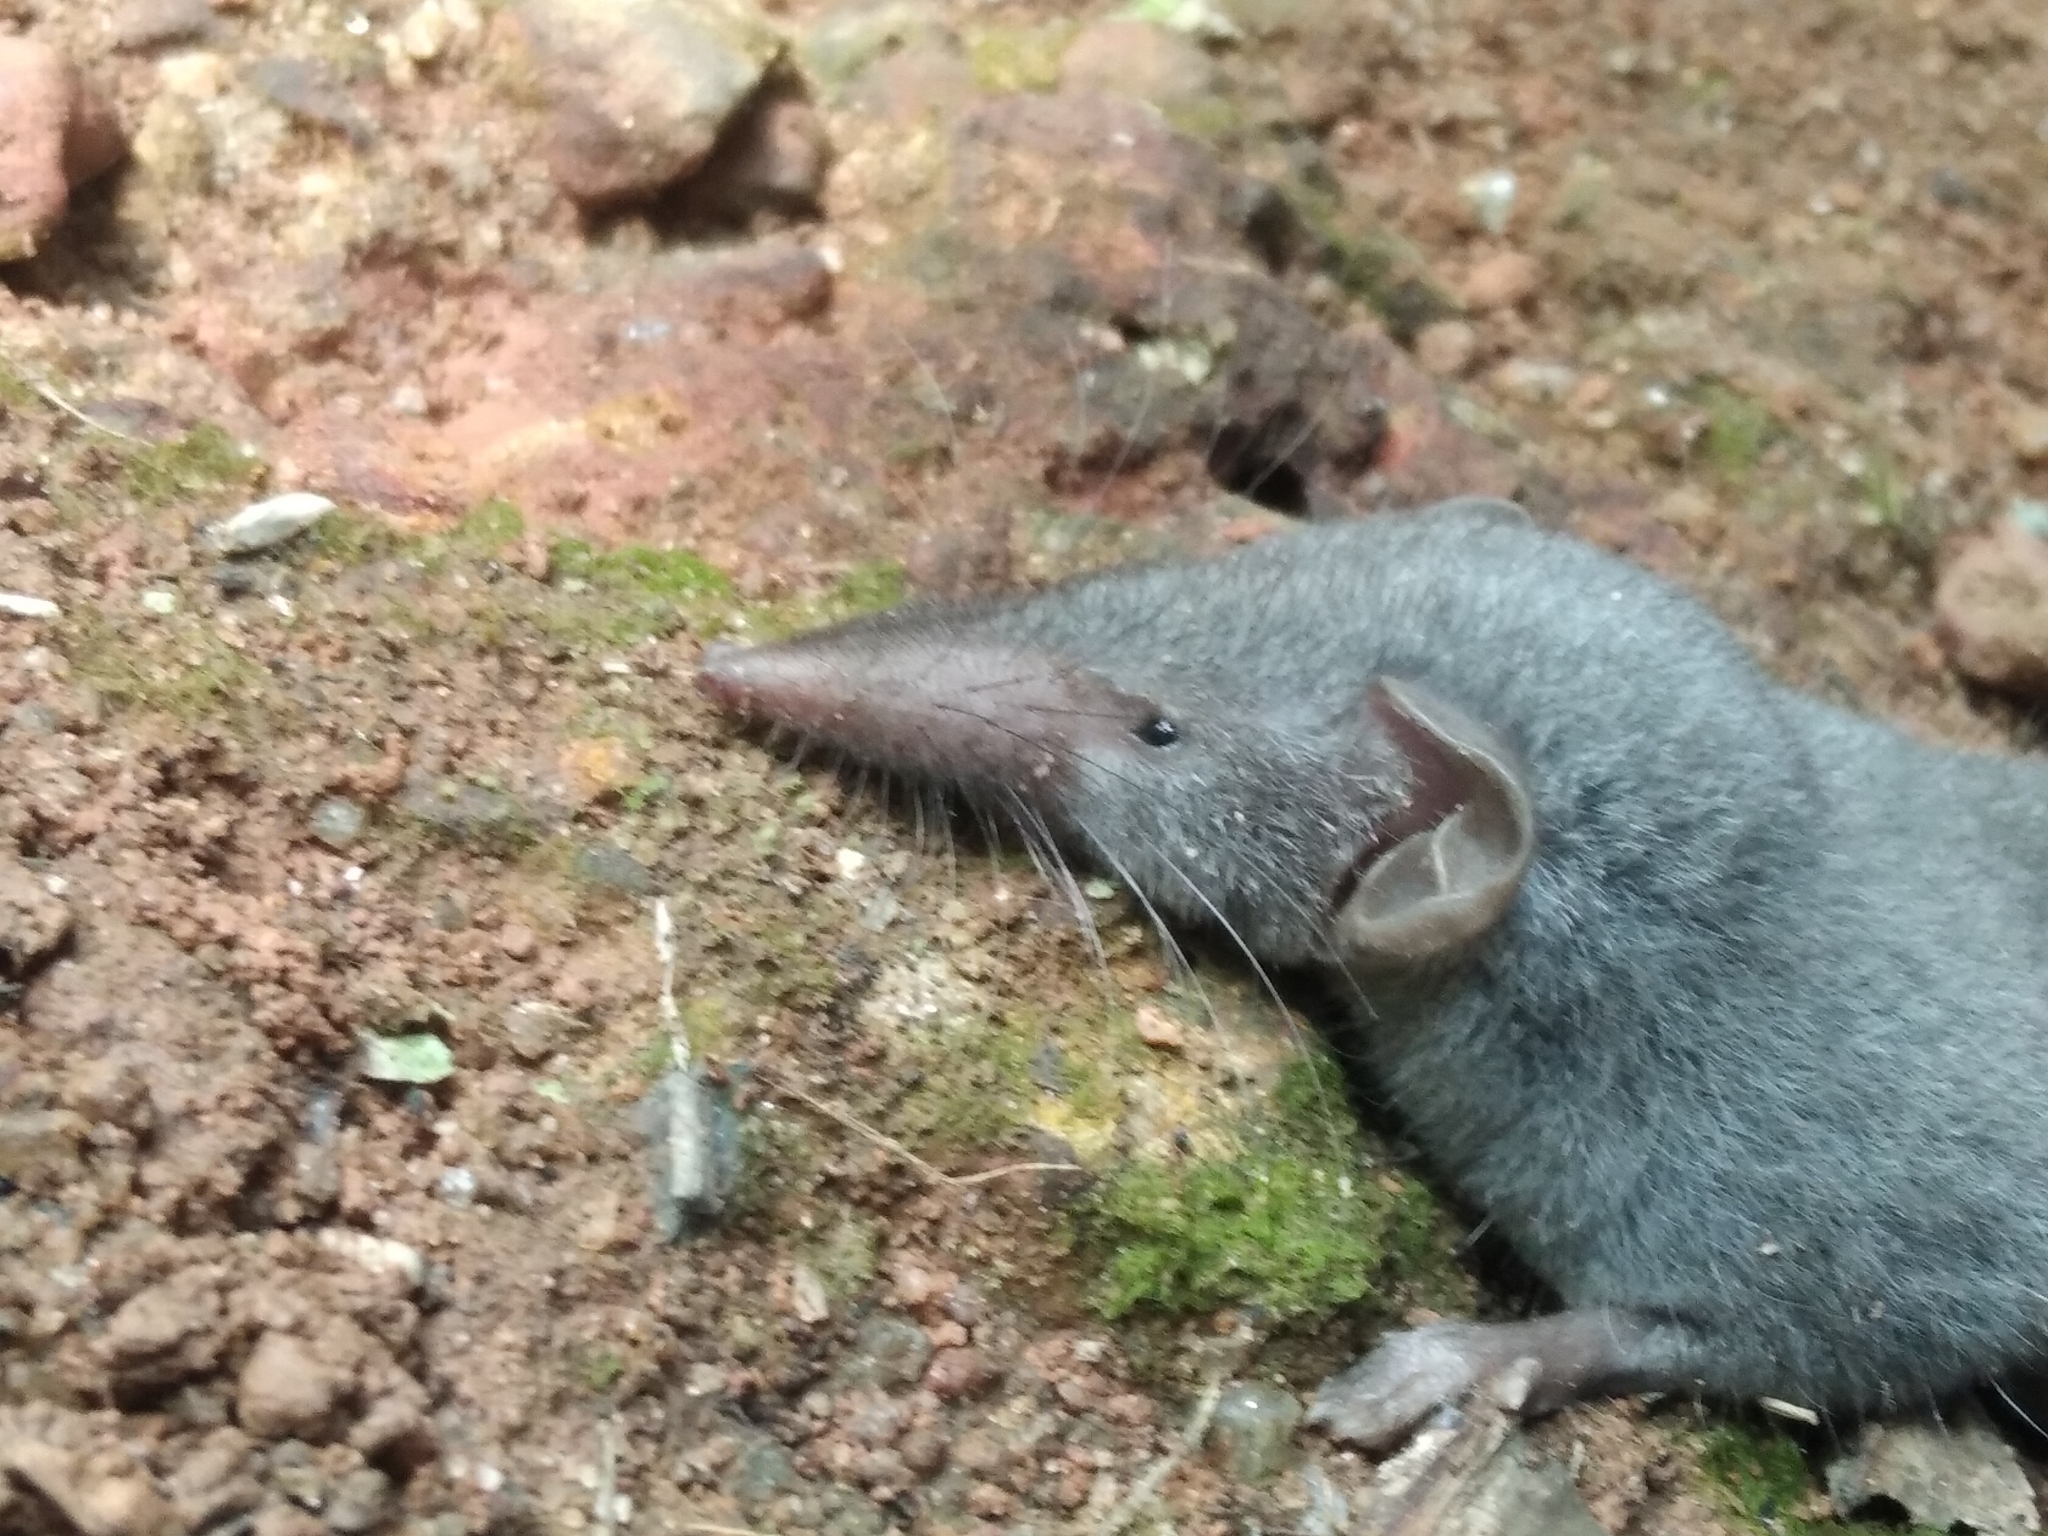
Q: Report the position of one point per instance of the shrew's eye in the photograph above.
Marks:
(1158, 732)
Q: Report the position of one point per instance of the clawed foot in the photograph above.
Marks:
(1525, 1367)
(1380, 1400)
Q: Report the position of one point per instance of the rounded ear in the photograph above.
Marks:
(1435, 888)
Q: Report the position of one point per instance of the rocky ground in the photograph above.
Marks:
(328, 916)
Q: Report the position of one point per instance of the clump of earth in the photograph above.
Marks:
(578, 334)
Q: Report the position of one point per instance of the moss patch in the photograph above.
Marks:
(644, 591)
(490, 527)
(193, 675)
(347, 537)
(1738, 431)
(1293, 1224)
(972, 1085)
(1006, 60)
(1760, 1478)
(204, 460)
(16, 394)
(868, 587)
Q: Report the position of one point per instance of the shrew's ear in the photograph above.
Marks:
(1445, 866)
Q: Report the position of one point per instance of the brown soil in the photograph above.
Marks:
(1766, 309)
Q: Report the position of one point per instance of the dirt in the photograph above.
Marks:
(1766, 314)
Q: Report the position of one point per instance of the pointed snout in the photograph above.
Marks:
(786, 684)
(722, 674)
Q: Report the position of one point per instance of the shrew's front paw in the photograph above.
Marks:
(1381, 1399)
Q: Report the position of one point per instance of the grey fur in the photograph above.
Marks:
(1754, 1061)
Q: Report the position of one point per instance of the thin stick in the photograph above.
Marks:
(1147, 1487)
(606, 1499)
(50, 396)
(896, 1148)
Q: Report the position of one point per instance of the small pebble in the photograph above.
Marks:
(1534, 382)
(518, 941)
(426, 34)
(880, 910)
(160, 601)
(1446, 348)
(807, 1295)
(2026, 428)
(359, 1502)
(263, 524)
(337, 822)
(889, 1351)
(1504, 281)
(960, 1373)
(535, 1030)
(1159, 1029)
(612, 867)
(1251, 1437)
(22, 606)
(457, 1186)
(1491, 195)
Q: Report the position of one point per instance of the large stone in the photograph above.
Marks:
(639, 90)
(56, 133)
(1991, 609)
(286, 1392)
(1954, 1474)
(33, 920)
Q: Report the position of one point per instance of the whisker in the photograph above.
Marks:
(1028, 818)
(1182, 965)
(1259, 970)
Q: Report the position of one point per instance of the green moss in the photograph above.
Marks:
(490, 527)
(348, 537)
(622, 596)
(647, 790)
(194, 676)
(847, 1257)
(868, 587)
(1759, 1477)
(708, 1025)
(671, 573)
(1292, 1223)
(1738, 431)
(601, 1369)
(204, 459)
(16, 393)
(971, 1085)
(1006, 60)
(653, 1058)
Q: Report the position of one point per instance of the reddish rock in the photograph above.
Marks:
(285, 1392)
(56, 133)
(1446, 348)
(639, 89)
(2026, 427)
(166, 1332)
(94, 1500)
(1991, 610)
(958, 1373)
(33, 922)
(1505, 281)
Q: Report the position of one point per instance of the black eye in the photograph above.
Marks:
(1158, 732)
